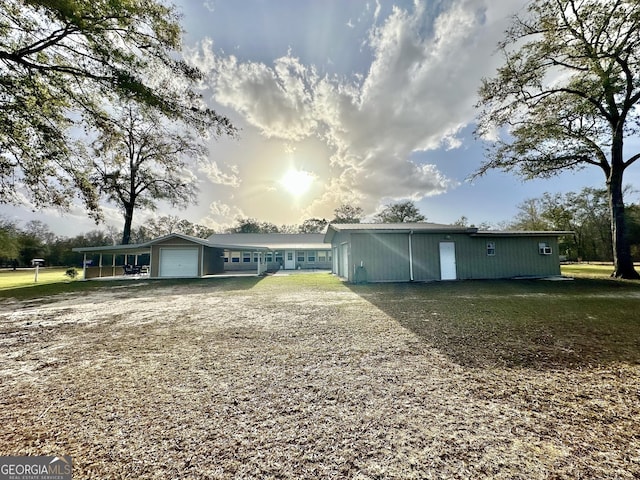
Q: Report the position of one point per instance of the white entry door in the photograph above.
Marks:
(448, 261)
(289, 260)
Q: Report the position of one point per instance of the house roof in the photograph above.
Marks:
(146, 247)
(273, 241)
(132, 249)
(395, 228)
(521, 233)
(430, 228)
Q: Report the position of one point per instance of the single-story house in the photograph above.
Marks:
(405, 252)
(289, 251)
(176, 255)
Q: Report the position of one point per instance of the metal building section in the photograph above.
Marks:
(428, 252)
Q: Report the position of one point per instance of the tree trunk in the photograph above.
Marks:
(128, 220)
(622, 261)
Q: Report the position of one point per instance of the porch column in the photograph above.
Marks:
(84, 266)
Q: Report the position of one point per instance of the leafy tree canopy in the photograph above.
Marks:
(251, 225)
(346, 213)
(401, 212)
(61, 63)
(313, 225)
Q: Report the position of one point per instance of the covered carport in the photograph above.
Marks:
(130, 255)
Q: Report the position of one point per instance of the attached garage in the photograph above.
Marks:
(178, 262)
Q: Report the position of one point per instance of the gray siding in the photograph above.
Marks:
(213, 261)
(338, 240)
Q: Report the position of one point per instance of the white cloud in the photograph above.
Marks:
(229, 178)
(209, 5)
(418, 94)
(222, 216)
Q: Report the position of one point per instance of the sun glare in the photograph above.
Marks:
(297, 182)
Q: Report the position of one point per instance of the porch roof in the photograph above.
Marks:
(142, 248)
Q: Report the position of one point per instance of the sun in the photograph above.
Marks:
(297, 182)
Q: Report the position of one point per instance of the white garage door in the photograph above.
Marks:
(178, 262)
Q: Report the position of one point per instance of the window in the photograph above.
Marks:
(256, 256)
(226, 257)
(278, 257)
(544, 248)
(311, 256)
(491, 249)
(235, 257)
(300, 256)
(290, 256)
(322, 256)
(246, 257)
(269, 257)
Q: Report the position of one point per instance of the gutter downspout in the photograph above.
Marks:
(411, 255)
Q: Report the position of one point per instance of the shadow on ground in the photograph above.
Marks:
(534, 324)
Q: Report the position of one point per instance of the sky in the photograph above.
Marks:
(365, 102)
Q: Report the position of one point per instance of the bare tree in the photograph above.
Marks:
(140, 158)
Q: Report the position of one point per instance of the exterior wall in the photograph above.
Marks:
(104, 271)
(309, 259)
(514, 257)
(341, 265)
(172, 243)
(385, 256)
(213, 261)
(241, 265)
(277, 260)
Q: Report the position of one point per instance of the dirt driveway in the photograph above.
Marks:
(251, 378)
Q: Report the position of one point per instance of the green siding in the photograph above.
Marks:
(514, 257)
(426, 255)
(385, 256)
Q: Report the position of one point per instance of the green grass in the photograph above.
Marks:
(531, 323)
(26, 277)
(587, 270)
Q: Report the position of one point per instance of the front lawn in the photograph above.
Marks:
(306, 377)
(24, 277)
